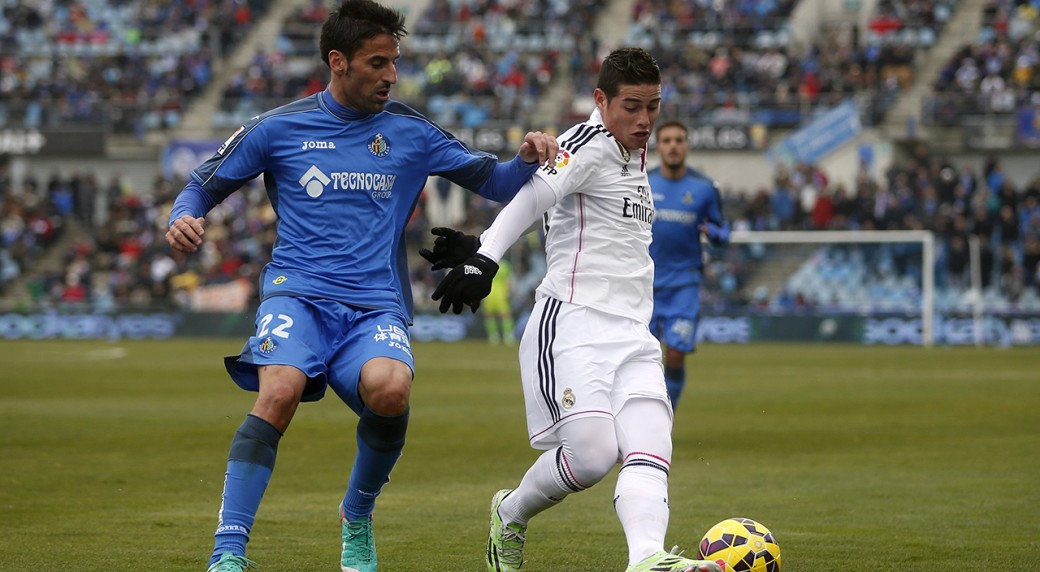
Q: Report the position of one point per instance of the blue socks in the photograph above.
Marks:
(251, 461)
(380, 440)
(675, 379)
(249, 468)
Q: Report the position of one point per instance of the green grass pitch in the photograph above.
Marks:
(858, 458)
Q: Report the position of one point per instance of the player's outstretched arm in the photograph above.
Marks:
(450, 249)
(505, 179)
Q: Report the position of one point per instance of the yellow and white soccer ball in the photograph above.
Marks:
(743, 545)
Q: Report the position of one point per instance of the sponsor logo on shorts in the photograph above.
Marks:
(267, 346)
(394, 336)
(683, 328)
(279, 280)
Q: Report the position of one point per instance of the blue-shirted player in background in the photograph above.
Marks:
(343, 170)
(688, 206)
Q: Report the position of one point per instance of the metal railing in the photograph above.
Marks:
(949, 109)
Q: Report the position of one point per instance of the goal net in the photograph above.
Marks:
(872, 287)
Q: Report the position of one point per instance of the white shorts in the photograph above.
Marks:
(579, 362)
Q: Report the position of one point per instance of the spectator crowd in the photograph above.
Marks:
(923, 192)
(465, 64)
(121, 259)
(130, 65)
(997, 74)
(737, 62)
(471, 63)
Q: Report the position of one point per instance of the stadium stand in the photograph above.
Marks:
(129, 66)
(119, 259)
(287, 71)
(466, 64)
(124, 261)
(997, 74)
(75, 241)
(31, 221)
(749, 69)
(925, 192)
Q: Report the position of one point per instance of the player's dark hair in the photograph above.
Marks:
(629, 66)
(672, 123)
(355, 21)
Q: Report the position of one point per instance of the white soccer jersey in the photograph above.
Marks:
(598, 234)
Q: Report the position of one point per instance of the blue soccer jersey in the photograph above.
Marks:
(343, 186)
(682, 207)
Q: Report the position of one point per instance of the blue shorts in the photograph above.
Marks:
(676, 315)
(327, 340)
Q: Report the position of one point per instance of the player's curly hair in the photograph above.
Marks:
(629, 66)
(355, 21)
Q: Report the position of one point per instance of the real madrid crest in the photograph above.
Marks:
(568, 398)
(379, 145)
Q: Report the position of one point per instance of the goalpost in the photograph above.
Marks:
(823, 237)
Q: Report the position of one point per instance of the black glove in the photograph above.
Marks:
(467, 284)
(451, 248)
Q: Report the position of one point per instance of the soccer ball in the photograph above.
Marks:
(743, 545)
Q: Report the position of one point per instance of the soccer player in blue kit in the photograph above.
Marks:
(688, 207)
(343, 170)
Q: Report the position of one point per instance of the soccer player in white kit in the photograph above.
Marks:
(591, 369)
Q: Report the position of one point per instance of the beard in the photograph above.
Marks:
(672, 164)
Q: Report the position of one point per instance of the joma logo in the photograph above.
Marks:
(318, 145)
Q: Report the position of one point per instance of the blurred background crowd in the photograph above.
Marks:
(91, 239)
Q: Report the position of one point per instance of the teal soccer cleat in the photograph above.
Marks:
(359, 546)
(505, 546)
(231, 563)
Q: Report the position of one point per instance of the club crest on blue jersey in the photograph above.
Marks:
(379, 146)
(267, 346)
(687, 198)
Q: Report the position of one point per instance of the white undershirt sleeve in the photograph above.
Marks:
(533, 199)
